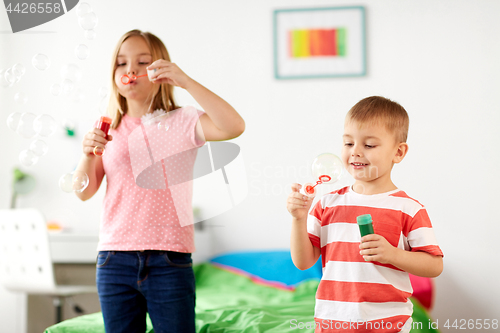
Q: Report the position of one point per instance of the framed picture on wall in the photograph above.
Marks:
(319, 42)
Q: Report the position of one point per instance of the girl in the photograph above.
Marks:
(144, 262)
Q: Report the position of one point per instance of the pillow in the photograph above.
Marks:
(273, 267)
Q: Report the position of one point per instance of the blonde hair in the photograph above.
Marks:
(377, 109)
(162, 96)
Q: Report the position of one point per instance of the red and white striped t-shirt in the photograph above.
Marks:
(355, 295)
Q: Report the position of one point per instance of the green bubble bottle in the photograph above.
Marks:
(365, 224)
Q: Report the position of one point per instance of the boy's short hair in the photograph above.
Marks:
(377, 109)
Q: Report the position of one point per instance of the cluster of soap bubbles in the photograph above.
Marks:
(11, 75)
(87, 20)
(76, 181)
(36, 127)
(71, 75)
(30, 126)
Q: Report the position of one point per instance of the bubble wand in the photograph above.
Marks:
(309, 188)
(125, 79)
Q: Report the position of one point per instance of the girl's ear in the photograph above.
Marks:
(401, 152)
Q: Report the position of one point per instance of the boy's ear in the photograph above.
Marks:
(401, 152)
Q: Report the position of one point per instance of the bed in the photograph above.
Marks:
(257, 291)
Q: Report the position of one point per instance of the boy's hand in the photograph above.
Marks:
(298, 204)
(376, 248)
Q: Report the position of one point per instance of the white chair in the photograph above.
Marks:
(25, 262)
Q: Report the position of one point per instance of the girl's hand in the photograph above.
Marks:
(94, 138)
(298, 204)
(168, 72)
(376, 248)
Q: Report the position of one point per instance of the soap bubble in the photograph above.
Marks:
(18, 70)
(13, 120)
(40, 61)
(20, 98)
(80, 181)
(88, 21)
(82, 51)
(89, 34)
(327, 168)
(55, 89)
(28, 158)
(71, 72)
(76, 181)
(99, 151)
(82, 9)
(44, 125)
(3, 80)
(67, 86)
(39, 147)
(165, 126)
(25, 127)
(162, 121)
(10, 77)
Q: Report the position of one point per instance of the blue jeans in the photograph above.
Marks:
(133, 283)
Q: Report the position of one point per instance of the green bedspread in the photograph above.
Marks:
(228, 302)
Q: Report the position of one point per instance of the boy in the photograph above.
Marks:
(365, 284)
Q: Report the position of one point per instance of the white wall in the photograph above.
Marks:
(439, 59)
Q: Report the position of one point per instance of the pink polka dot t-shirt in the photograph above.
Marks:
(148, 197)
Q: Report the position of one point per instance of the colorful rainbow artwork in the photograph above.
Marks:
(305, 43)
